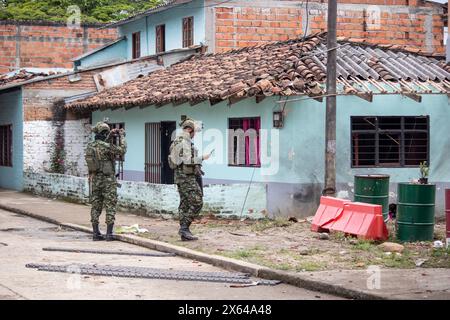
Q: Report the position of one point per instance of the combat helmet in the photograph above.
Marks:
(100, 127)
(189, 123)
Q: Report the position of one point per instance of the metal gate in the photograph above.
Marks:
(153, 152)
(119, 159)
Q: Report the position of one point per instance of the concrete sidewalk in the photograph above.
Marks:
(374, 283)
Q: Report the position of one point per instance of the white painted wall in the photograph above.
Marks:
(76, 137)
(222, 200)
(39, 137)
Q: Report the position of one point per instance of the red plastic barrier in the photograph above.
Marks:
(361, 219)
(329, 210)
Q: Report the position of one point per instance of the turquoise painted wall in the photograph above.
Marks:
(114, 53)
(11, 112)
(302, 138)
(300, 121)
(296, 187)
(172, 18)
(436, 106)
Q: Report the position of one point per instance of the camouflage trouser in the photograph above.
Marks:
(191, 199)
(104, 194)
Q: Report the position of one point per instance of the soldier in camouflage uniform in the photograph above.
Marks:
(104, 184)
(186, 163)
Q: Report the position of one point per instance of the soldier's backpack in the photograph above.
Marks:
(92, 159)
(172, 164)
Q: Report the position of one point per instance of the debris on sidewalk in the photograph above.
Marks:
(130, 229)
(253, 284)
(324, 236)
(420, 262)
(438, 244)
(391, 247)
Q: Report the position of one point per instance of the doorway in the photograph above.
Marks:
(158, 137)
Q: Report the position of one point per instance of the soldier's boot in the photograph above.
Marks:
(96, 235)
(185, 233)
(109, 232)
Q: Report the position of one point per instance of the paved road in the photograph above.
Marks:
(21, 242)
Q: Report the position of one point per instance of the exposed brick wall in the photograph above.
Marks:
(147, 198)
(40, 96)
(402, 22)
(47, 45)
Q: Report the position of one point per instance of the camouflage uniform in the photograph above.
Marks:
(104, 184)
(191, 197)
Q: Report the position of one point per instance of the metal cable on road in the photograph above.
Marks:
(143, 270)
(127, 253)
(150, 273)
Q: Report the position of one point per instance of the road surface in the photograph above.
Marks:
(23, 238)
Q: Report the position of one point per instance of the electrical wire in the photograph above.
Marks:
(307, 18)
(246, 195)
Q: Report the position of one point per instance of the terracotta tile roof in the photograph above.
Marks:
(286, 68)
(22, 75)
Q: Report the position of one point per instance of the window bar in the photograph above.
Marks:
(402, 141)
(377, 143)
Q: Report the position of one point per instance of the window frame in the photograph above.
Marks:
(136, 45)
(401, 132)
(187, 34)
(9, 162)
(160, 38)
(228, 143)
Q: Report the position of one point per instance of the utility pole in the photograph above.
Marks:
(330, 119)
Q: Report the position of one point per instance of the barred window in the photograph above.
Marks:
(188, 32)
(389, 141)
(6, 145)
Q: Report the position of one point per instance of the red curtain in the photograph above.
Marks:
(252, 144)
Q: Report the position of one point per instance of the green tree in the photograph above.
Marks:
(56, 10)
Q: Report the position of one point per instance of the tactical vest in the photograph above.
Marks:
(92, 159)
(187, 169)
(97, 163)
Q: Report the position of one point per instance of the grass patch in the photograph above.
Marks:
(337, 235)
(255, 251)
(440, 252)
(402, 261)
(266, 223)
(309, 266)
(365, 245)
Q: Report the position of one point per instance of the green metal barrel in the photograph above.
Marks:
(415, 212)
(374, 189)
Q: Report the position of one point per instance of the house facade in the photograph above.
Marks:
(223, 26)
(37, 134)
(392, 114)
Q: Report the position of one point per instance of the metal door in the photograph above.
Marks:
(153, 152)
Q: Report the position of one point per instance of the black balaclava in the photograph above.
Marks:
(101, 136)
